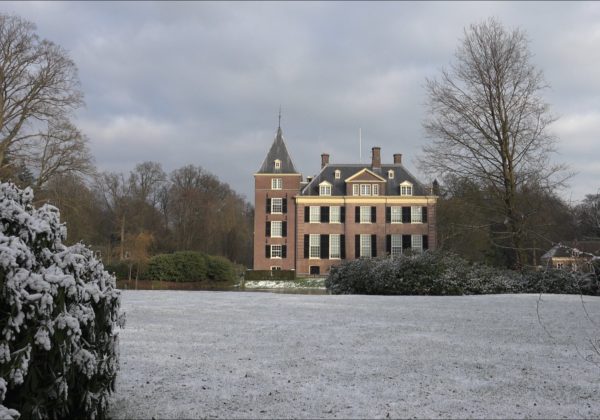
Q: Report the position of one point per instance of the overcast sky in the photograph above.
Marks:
(202, 83)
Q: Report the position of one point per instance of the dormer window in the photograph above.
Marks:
(325, 188)
(406, 188)
(338, 174)
(391, 174)
(277, 164)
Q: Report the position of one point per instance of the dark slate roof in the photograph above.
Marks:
(349, 169)
(571, 249)
(278, 151)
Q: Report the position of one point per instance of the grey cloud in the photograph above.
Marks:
(201, 83)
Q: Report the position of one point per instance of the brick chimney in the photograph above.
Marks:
(397, 158)
(376, 158)
(324, 160)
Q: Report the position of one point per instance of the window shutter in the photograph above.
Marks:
(283, 251)
(343, 214)
(343, 246)
(268, 229)
(356, 246)
(388, 244)
(268, 206)
(406, 242)
(324, 214)
(425, 242)
(324, 246)
(267, 251)
(373, 214)
(388, 215)
(284, 229)
(306, 239)
(373, 246)
(357, 214)
(405, 214)
(424, 214)
(306, 215)
(284, 206)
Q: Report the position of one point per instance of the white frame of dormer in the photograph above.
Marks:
(406, 184)
(391, 174)
(362, 171)
(321, 187)
(337, 174)
(277, 164)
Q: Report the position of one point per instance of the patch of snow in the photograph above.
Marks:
(264, 355)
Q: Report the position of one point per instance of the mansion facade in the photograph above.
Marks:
(347, 211)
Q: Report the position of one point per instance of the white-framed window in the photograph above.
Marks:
(275, 268)
(324, 189)
(375, 189)
(365, 189)
(276, 229)
(338, 174)
(314, 246)
(276, 205)
(396, 245)
(277, 164)
(396, 214)
(335, 214)
(276, 251)
(406, 188)
(314, 214)
(416, 243)
(365, 214)
(390, 174)
(276, 184)
(365, 246)
(416, 214)
(334, 246)
(355, 189)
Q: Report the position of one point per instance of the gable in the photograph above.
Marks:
(365, 175)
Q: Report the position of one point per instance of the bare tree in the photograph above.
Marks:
(61, 150)
(488, 123)
(38, 85)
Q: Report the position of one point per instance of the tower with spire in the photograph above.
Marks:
(276, 184)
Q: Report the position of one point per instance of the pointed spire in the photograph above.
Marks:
(279, 153)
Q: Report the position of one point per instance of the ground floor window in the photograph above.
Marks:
(315, 270)
(334, 246)
(276, 251)
(315, 246)
(417, 243)
(396, 246)
(276, 268)
(365, 246)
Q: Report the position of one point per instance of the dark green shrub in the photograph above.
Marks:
(180, 266)
(119, 269)
(59, 317)
(220, 268)
(439, 273)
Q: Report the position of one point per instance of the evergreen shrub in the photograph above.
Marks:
(59, 317)
(440, 273)
(188, 266)
(255, 275)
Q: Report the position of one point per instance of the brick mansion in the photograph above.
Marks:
(347, 211)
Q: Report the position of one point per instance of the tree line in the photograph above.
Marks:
(124, 216)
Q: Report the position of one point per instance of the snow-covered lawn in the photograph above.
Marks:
(262, 355)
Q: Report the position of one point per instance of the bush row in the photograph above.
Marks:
(189, 266)
(438, 273)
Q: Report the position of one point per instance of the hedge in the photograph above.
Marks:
(438, 273)
(187, 266)
(59, 317)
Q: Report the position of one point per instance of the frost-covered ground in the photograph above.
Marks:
(262, 355)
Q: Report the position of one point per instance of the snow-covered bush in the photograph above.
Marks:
(59, 317)
(440, 273)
